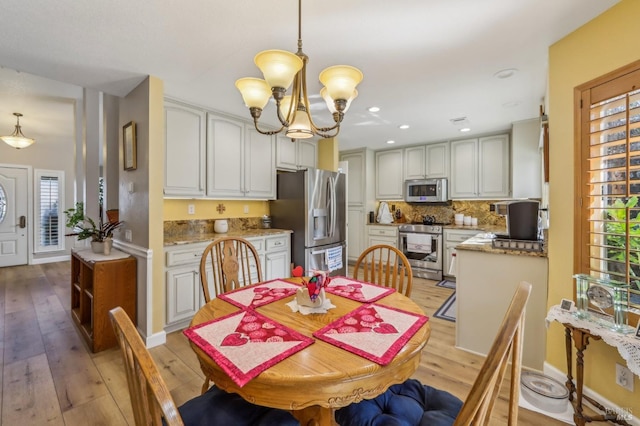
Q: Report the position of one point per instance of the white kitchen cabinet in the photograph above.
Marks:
(437, 160)
(379, 234)
(360, 178)
(185, 143)
(182, 273)
(427, 161)
(526, 159)
(389, 175)
(415, 164)
(453, 237)
(298, 155)
(480, 168)
(240, 161)
(355, 232)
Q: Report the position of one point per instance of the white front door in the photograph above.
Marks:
(13, 216)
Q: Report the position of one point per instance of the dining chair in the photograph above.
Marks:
(385, 265)
(234, 262)
(412, 403)
(153, 404)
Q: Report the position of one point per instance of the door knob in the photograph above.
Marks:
(23, 221)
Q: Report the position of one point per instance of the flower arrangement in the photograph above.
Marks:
(84, 227)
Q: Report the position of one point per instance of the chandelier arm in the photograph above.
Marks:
(266, 132)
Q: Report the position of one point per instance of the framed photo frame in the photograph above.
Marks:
(129, 145)
(566, 305)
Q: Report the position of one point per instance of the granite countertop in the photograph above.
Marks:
(203, 237)
(479, 228)
(483, 242)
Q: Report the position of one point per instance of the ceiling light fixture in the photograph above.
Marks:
(506, 73)
(17, 139)
(373, 109)
(403, 126)
(280, 68)
(391, 142)
(461, 123)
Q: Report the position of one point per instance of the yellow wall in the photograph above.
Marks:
(602, 45)
(206, 209)
(328, 154)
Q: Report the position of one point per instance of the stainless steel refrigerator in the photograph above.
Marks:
(312, 203)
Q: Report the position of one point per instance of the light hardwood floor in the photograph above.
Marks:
(49, 377)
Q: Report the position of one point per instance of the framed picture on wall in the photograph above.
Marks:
(129, 146)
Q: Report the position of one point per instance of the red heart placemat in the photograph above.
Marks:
(260, 294)
(374, 332)
(357, 290)
(246, 343)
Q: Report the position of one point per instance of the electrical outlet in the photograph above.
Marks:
(191, 209)
(127, 235)
(624, 377)
(246, 209)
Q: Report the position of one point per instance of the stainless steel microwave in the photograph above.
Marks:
(425, 190)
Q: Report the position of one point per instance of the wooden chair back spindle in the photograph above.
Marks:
(385, 265)
(233, 259)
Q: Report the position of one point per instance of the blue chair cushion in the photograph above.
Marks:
(219, 408)
(408, 404)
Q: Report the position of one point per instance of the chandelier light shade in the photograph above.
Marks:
(282, 70)
(17, 139)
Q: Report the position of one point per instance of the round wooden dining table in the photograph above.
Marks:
(315, 381)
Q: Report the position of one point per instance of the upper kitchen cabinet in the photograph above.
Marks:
(240, 161)
(360, 175)
(480, 168)
(389, 175)
(299, 155)
(427, 161)
(526, 159)
(185, 139)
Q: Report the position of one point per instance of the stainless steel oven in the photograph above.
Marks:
(422, 245)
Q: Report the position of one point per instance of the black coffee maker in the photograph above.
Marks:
(521, 217)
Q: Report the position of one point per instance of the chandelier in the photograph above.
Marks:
(280, 69)
(17, 139)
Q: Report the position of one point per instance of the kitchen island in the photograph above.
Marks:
(486, 280)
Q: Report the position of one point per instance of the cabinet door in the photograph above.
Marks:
(185, 141)
(389, 175)
(414, 163)
(307, 153)
(286, 153)
(450, 249)
(183, 293)
(225, 157)
(355, 231)
(437, 160)
(355, 182)
(277, 265)
(464, 169)
(493, 166)
(259, 165)
(378, 239)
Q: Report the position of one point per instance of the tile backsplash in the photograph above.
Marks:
(173, 228)
(445, 213)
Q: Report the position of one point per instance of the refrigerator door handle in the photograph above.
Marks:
(318, 252)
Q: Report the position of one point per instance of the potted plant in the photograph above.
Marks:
(84, 227)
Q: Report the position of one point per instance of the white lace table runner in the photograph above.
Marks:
(628, 345)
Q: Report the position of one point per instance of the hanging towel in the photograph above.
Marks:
(384, 214)
(334, 258)
(453, 267)
(419, 243)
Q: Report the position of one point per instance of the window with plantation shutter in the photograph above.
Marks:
(49, 223)
(608, 232)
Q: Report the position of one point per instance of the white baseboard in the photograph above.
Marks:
(43, 260)
(561, 376)
(156, 339)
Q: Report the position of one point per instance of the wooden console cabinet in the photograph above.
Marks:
(100, 283)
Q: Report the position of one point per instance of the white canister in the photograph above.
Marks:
(221, 226)
(458, 218)
(466, 220)
(474, 221)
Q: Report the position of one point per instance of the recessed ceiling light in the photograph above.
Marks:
(506, 73)
(465, 129)
(373, 109)
(390, 142)
(403, 126)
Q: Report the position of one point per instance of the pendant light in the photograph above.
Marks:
(281, 69)
(17, 139)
